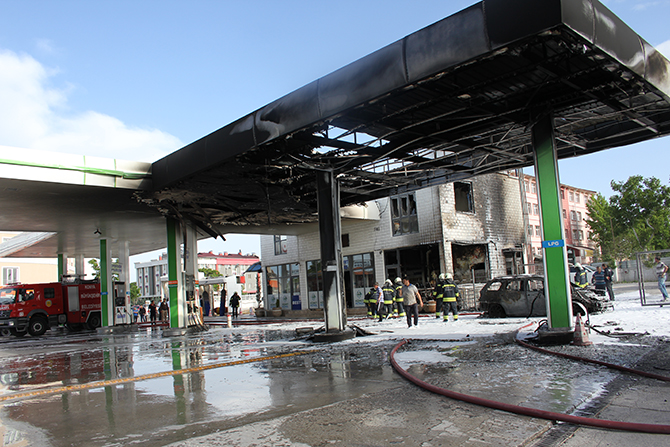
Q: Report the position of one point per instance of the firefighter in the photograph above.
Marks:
(438, 292)
(371, 303)
(398, 297)
(580, 276)
(450, 295)
(388, 293)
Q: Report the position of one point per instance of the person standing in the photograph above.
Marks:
(205, 303)
(661, 270)
(608, 281)
(398, 297)
(438, 294)
(580, 276)
(450, 296)
(411, 299)
(143, 314)
(598, 278)
(163, 309)
(388, 293)
(153, 312)
(235, 304)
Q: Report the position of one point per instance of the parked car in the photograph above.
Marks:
(523, 296)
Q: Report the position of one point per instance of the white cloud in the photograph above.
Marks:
(33, 116)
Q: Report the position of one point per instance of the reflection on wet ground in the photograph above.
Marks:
(181, 406)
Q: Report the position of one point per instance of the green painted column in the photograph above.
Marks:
(107, 317)
(556, 273)
(62, 265)
(174, 270)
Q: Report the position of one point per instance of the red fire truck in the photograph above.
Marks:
(34, 308)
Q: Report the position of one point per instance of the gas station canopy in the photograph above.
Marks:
(449, 102)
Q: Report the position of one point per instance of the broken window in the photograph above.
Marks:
(404, 218)
(281, 245)
(463, 197)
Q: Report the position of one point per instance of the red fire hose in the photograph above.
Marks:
(532, 412)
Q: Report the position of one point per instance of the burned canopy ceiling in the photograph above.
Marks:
(451, 101)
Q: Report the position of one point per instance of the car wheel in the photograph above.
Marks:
(16, 333)
(579, 309)
(37, 326)
(496, 311)
(74, 327)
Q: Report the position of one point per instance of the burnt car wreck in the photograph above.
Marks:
(523, 296)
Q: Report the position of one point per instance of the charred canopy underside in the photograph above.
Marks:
(471, 118)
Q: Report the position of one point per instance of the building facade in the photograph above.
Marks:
(26, 270)
(573, 203)
(152, 275)
(473, 229)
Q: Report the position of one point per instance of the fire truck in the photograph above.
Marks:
(35, 308)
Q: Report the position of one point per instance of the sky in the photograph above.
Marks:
(138, 80)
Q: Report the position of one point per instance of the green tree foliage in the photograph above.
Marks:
(96, 267)
(210, 273)
(135, 292)
(636, 218)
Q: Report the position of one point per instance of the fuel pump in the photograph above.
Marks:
(121, 304)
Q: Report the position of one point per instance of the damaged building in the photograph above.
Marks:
(473, 229)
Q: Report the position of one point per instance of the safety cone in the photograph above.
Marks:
(581, 337)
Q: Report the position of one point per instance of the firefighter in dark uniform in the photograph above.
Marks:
(388, 292)
(438, 294)
(400, 307)
(371, 303)
(450, 295)
(580, 276)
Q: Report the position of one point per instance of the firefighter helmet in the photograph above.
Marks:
(398, 280)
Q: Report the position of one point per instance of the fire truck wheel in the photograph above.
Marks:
(74, 327)
(16, 333)
(37, 326)
(93, 321)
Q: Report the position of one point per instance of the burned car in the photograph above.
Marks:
(523, 296)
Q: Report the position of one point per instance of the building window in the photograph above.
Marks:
(573, 215)
(281, 245)
(283, 286)
(577, 197)
(579, 216)
(345, 240)
(533, 188)
(565, 216)
(525, 185)
(572, 196)
(530, 230)
(575, 235)
(10, 275)
(537, 230)
(404, 217)
(463, 197)
(580, 235)
(562, 193)
(536, 209)
(528, 208)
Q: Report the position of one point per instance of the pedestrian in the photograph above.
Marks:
(153, 312)
(136, 313)
(205, 303)
(398, 297)
(143, 314)
(378, 299)
(438, 294)
(163, 309)
(580, 276)
(411, 299)
(661, 270)
(598, 278)
(222, 307)
(608, 281)
(450, 295)
(387, 291)
(235, 304)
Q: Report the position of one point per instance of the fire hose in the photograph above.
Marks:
(532, 412)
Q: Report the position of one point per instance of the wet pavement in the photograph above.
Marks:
(228, 386)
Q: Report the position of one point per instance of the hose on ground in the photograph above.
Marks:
(532, 412)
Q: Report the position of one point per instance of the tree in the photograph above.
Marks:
(135, 292)
(635, 219)
(96, 267)
(211, 273)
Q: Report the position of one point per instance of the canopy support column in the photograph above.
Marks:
(331, 251)
(556, 273)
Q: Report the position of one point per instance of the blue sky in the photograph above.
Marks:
(139, 79)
